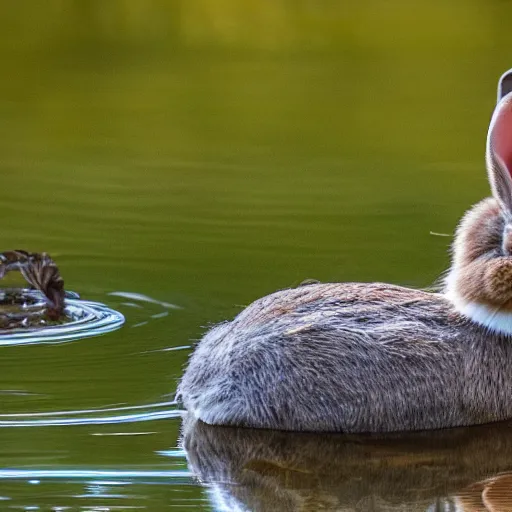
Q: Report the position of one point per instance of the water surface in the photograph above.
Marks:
(180, 159)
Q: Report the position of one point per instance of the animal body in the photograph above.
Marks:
(357, 357)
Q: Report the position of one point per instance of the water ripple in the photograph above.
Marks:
(87, 319)
(80, 474)
(68, 418)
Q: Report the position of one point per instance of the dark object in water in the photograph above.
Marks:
(372, 357)
(466, 469)
(42, 273)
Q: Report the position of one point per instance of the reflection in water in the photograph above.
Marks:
(467, 469)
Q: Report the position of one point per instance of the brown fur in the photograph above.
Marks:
(481, 270)
(41, 272)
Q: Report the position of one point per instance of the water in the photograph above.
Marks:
(200, 155)
(83, 319)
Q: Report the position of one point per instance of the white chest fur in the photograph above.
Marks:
(492, 318)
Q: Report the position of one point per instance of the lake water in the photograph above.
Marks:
(179, 160)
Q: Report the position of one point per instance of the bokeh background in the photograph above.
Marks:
(207, 152)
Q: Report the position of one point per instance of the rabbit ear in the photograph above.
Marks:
(499, 154)
(505, 84)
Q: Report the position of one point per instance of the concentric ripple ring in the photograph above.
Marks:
(86, 319)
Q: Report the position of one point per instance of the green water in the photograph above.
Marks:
(204, 153)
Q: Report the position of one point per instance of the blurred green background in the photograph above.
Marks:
(207, 152)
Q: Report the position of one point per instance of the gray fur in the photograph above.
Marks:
(349, 357)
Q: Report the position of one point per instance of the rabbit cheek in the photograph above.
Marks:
(499, 282)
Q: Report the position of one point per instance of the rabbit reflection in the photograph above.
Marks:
(459, 470)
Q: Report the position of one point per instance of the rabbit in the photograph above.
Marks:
(374, 357)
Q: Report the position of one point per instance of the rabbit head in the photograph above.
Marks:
(479, 282)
